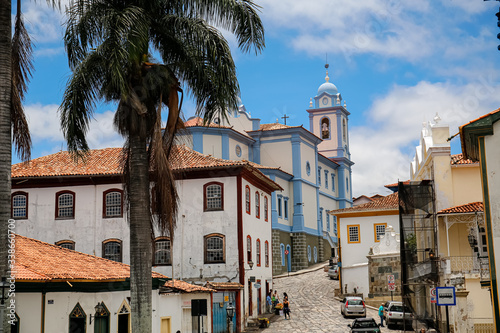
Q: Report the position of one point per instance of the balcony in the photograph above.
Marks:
(471, 265)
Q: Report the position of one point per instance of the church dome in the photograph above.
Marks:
(329, 88)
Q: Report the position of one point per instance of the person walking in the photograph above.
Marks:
(269, 303)
(381, 314)
(286, 307)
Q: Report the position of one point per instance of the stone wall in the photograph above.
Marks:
(379, 268)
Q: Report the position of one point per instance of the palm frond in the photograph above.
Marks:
(22, 65)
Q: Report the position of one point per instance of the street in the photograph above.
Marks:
(312, 305)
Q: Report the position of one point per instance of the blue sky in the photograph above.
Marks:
(396, 63)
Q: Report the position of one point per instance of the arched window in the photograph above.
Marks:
(214, 249)
(249, 249)
(257, 205)
(67, 244)
(77, 319)
(101, 318)
(112, 249)
(266, 253)
(344, 129)
(113, 203)
(247, 199)
(124, 317)
(266, 209)
(257, 252)
(65, 205)
(162, 253)
(214, 196)
(19, 205)
(325, 128)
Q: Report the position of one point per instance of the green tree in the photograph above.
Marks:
(110, 46)
(15, 72)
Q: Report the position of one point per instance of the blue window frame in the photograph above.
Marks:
(282, 251)
(335, 225)
(333, 182)
(326, 178)
(347, 184)
(280, 204)
(285, 208)
(327, 222)
(319, 175)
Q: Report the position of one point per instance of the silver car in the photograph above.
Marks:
(333, 272)
(353, 306)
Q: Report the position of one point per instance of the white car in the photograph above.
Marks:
(352, 306)
(333, 272)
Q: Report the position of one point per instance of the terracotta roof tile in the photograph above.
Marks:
(483, 116)
(40, 261)
(107, 162)
(183, 286)
(224, 285)
(197, 121)
(275, 126)
(467, 208)
(390, 202)
(406, 182)
(459, 159)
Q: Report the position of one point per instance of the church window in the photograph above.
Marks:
(257, 252)
(214, 249)
(65, 205)
(326, 178)
(162, 252)
(282, 251)
(327, 221)
(238, 150)
(19, 205)
(285, 208)
(249, 249)
(333, 182)
(308, 168)
(266, 253)
(214, 199)
(112, 249)
(280, 200)
(315, 254)
(124, 317)
(257, 205)
(77, 320)
(335, 225)
(266, 209)
(247, 199)
(353, 234)
(67, 244)
(309, 254)
(325, 128)
(344, 129)
(379, 230)
(321, 218)
(101, 318)
(113, 203)
(319, 175)
(347, 185)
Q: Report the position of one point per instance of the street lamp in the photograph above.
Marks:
(472, 238)
(99, 310)
(250, 263)
(229, 316)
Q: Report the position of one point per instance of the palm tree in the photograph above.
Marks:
(15, 72)
(110, 45)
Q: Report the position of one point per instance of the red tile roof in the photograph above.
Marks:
(483, 116)
(390, 202)
(224, 285)
(275, 126)
(37, 261)
(179, 285)
(467, 208)
(406, 182)
(197, 121)
(459, 159)
(107, 162)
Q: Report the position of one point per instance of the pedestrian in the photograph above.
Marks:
(285, 296)
(276, 299)
(273, 299)
(381, 314)
(286, 307)
(269, 302)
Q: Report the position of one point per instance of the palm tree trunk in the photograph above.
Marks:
(140, 236)
(5, 135)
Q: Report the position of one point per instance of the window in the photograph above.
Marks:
(280, 199)
(309, 256)
(257, 205)
(257, 252)
(319, 175)
(113, 203)
(65, 205)
(315, 254)
(344, 129)
(249, 249)
(266, 253)
(321, 218)
(213, 193)
(112, 250)
(326, 178)
(327, 221)
(379, 230)
(308, 168)
(214, 249)
(325, 128)
(266, 209)
(247, 199)
(285, 208)
(347, 184)
(162, 253)
(333, 182)
(19, 205)
(67, 244)
(77, 320)
(353, 234)
(282, 251)
(335, 225)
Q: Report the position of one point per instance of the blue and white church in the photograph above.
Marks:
(313, 166)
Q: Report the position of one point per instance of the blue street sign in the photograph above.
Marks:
(445, 296)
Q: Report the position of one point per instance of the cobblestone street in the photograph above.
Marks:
(312, 304)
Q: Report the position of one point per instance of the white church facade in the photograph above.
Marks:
(313, 166)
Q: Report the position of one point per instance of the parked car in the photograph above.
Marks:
(386, 307)
(364, 325)
(352, 306)
(397, 314)
(333, 272)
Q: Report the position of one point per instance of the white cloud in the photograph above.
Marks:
(384, 149)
